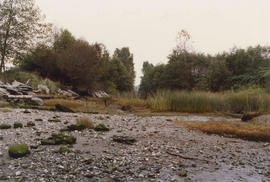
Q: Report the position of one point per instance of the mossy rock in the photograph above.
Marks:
(5, 126)
(63, 150)
(101, 127)
(30, 124)
(182, 173)
(124, 139)
(62, 108)
(17, 125)
(18, 150)
(55, 120)
(74, 127)
(57, 139)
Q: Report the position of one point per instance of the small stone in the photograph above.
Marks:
(26, 111)
(18, 173)
(61, 167)
(141, 175)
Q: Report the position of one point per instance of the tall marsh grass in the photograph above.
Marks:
(250, 100)
(201, 102)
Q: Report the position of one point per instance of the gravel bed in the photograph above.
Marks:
(163, 151)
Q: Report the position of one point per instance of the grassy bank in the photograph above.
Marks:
(254, 131)
(200, 102)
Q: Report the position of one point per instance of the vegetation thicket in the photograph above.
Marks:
(195, 82)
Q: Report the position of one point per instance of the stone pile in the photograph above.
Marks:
(18, 92)
(16, 88)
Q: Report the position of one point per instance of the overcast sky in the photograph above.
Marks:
(149, 27)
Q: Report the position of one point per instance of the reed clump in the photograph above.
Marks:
(205, 102)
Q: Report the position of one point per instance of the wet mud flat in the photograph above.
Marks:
(163, 151)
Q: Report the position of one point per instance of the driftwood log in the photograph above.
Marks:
(29, 99)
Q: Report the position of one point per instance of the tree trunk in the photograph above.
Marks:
(4, 50)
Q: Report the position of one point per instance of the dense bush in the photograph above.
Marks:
(194, 71)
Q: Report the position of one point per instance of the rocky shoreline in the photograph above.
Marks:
(163, 151)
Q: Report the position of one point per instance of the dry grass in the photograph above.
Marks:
(6, 110)
(254, 131)
(4, 104)
(86, 122)
(65, 102)
(135, 102)
(88, 105)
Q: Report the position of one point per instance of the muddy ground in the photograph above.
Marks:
(164, 151)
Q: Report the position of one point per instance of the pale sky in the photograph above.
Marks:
(149, 27)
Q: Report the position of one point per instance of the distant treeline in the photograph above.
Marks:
(84, 66)
(195, 71)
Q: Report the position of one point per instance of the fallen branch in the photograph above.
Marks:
(188, 158)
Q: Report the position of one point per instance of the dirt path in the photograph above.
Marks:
(164, 151)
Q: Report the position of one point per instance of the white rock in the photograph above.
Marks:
(18, 173)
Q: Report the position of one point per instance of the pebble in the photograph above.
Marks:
(18, 173)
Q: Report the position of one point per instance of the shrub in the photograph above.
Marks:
(18, 150)
(86, 122)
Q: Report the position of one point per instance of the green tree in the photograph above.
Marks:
(119, 75)
(126, 58)
(63, 39)
(20, 27)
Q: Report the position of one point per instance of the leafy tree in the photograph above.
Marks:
(126, 58)
(119, 75)
(154, 78)
(244, 65)
(20, 27)
(63, 39)
(82, 65)
(218, 74)
(42, 60)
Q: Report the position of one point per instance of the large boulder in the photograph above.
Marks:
(37, 101)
